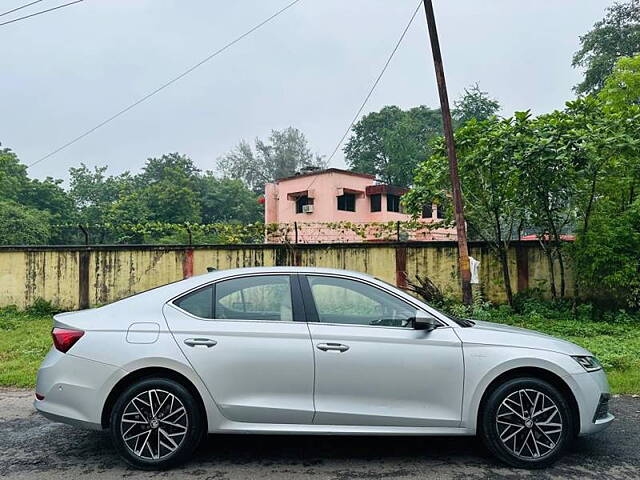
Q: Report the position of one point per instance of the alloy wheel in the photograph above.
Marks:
(529, 424)
(154, 424)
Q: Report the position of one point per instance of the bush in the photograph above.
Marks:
(42, 308)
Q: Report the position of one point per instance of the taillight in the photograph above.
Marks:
(64, 338)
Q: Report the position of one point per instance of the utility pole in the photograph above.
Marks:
(463, 251)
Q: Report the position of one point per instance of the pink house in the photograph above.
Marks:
(338, 205)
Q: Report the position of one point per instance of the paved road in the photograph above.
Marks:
(33, 448)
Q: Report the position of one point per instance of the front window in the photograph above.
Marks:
(347, 202)
(301, 201)
(427, 211)
(350, 302)
(393, 203)
(264, 297)
(376, 202)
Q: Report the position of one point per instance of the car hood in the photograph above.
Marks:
(488, 333)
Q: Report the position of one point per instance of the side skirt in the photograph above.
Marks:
(292, 429)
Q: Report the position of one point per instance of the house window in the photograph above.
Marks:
(440, 212)
(347, 202)
(427, 211)
(376, 202)
(301, 201)
(393, 203)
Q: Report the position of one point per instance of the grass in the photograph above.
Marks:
(25, 338)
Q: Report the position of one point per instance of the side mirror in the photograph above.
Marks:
(424, 321)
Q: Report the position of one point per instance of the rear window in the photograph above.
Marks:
(198, 303)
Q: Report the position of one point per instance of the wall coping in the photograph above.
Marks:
(255, 246)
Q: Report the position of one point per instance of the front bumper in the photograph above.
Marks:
(74, 389)
(592, 390)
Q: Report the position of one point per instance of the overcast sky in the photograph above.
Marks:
(63, 72)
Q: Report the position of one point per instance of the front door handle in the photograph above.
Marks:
(333, 347)
(206, 342)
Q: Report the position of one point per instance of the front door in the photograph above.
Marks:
(372, 367)
(247, 339)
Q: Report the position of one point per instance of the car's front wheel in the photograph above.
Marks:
(156, 424)
(527, 423)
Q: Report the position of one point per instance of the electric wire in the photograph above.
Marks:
(164, 85)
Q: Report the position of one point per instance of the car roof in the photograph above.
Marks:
(166, 292)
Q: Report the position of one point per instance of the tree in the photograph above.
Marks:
(45, 198)
(285, 153)
(390, 143)
(13, 175)
(225, 200)
(172, 167)
(616, 35)
(474, 104)
(606, 257)
(490, 184)
(622, 88)
(20, 225)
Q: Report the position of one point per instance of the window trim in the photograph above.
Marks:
(312, 311)
(297, 304)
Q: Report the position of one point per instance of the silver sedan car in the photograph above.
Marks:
(311, 351)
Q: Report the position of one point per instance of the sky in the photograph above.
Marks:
(63, 72)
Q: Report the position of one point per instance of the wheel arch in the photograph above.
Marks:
(541, 374)
(148, 372)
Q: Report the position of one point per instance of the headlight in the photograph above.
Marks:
(590, 364)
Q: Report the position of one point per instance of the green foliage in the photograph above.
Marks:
(474, 104)
(622, 88)
(616, 35)
(13, 175)
(227, 200)
(20, 225)
(607, 258)
(490, 178)
(285, 153)
(42, 307)
(390, 143)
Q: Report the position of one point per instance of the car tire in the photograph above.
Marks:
(156, 424)
(527, 423)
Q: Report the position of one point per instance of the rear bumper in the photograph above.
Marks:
(74, 389)
(592, 388)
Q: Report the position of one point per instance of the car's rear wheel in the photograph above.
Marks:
(527, 423)
(156, 424)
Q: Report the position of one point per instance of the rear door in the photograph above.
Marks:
(372, 367)
(247, 339)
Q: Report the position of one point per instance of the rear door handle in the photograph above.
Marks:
(206, 342)
(333, 347)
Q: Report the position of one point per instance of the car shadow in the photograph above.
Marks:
(316, 449)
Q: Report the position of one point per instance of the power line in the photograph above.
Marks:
(40, 12)
(165, 85)
(375, 84)
(19, 8)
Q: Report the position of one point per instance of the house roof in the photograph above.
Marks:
(326, 171)
(386, 189)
